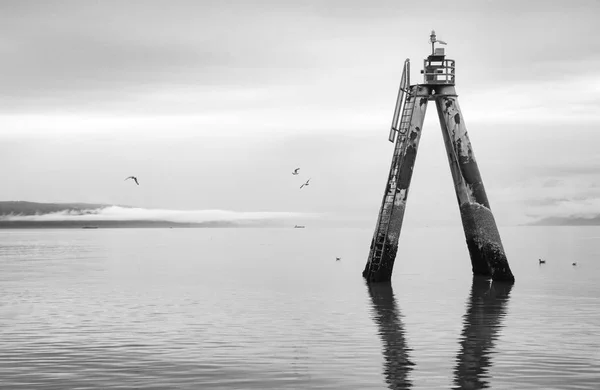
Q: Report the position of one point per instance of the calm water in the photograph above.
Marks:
(272, 309)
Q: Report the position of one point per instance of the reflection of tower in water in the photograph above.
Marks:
(397, 365)
(482, 321)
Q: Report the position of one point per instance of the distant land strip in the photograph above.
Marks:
(33, 208)
(567, 221)
(115, 224)
(88, 215)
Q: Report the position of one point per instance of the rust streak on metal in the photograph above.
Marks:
(483, 239)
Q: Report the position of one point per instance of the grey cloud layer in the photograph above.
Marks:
(73, 54)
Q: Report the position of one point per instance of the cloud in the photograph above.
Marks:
(93, 66)
(536, 101)
(117, 213)
(554, 194)
(568, 208)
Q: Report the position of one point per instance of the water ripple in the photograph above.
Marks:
(187, 309)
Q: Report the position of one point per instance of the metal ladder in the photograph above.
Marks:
(407, 112)
(385, 213)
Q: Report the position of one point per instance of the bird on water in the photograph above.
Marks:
(542, 261)
(305, 184)
(134, 179)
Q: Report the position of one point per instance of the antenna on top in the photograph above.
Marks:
(433, 40)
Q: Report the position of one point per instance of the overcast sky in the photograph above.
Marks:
(212, 104)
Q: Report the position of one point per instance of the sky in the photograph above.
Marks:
(212, 104)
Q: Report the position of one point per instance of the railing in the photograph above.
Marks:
(438, 71)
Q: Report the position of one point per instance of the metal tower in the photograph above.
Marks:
(482, 236)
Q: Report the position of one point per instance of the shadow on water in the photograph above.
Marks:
(386, 315)
(485, 310)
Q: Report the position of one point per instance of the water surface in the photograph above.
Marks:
(272, 309)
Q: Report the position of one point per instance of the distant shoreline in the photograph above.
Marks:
(113, 224)
(33, 215)
(569, 221)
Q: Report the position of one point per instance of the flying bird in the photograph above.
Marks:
(542, 261)
(295, 171)
(134, 179)
(305, 184)
(338, 258)
(575, 263)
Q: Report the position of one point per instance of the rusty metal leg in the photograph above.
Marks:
(483, 239)
(380, 270)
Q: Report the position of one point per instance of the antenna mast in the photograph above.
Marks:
(433, 40)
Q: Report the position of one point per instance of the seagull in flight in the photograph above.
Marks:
(305, 184)
(338, 258)
(295, 171)
(134, 179)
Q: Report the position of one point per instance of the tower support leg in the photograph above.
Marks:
(483, 239)
(379, 267)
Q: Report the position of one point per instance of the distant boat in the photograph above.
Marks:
(298, 226)
(90, 227)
